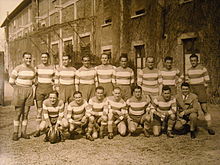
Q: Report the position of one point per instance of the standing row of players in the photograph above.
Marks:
(66, 80)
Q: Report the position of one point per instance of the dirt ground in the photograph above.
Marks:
(205, 149)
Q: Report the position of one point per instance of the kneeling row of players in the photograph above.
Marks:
(101, 113)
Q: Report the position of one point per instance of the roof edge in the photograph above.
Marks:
(18, 9)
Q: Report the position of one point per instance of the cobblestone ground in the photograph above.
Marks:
(205, 149)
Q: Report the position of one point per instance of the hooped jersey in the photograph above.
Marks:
(22, 76)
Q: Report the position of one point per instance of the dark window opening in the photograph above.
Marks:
(108, 21)
(138, 12)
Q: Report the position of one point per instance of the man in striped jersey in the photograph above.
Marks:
(77, 113)
(86, 79)
(117, 113)
(98, 110)
(198, 78)
(164, 112)
(53, 112)
(105, 74)
(22, 79)
(124, 77)
(44, 80)
(149, 79)
(65, 80)
(170, 76)
(138, 112)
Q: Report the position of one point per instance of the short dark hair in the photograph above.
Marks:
(137, 87)
(67, 55)
(48, 55)
(86, 56)
(54, 92)
(149, 57)
(123, 55)
(185, 84)
(99, 87)
(165, 88)
(193, 55)
(77, 92)
(26, 53)
(117, 87)
(168, 58)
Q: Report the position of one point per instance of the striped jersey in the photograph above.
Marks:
(105, 73)
(65, 75)
(123, 76)
(22, 76)
(165, 106)
(116, 107)
(197, 75)
(149, 80)
(86, 76)
(76, 111)
(53, 111)
(137, 107)
(45, 74)
(170, 77)
(97, 107)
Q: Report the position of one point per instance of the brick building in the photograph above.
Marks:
(137, 27)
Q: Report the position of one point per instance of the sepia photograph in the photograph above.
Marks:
(109, 82)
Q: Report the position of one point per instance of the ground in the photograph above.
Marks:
(205, 149)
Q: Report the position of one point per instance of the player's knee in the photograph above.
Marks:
(132, 128)
(65, 123)
(178, 126)
(173, 117)
(42, 126)
(95, 135)
(122, 130)
(104, 118)
(91, 119)
(193, 116)
(156, 130)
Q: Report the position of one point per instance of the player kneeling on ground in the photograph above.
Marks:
(138, 111)
(98, 110)
(53, 112)
(117, 113)
(76, 113)
(164, 112)
(187, 111)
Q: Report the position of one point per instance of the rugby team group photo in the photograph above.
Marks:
(105, 100)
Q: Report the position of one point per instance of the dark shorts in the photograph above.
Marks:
(200, 91)
(23, 96)
(125, 91)
(108, 87)
(66, 93)
(87, 90)
(136, 119)
(42, 93)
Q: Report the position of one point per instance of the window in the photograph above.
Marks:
(190, 45)
(184, 1)
(55, 52)
(142, 11)
(138, 8)
(85, 45)
(108, 21)
(107, 12)
(68, 49)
